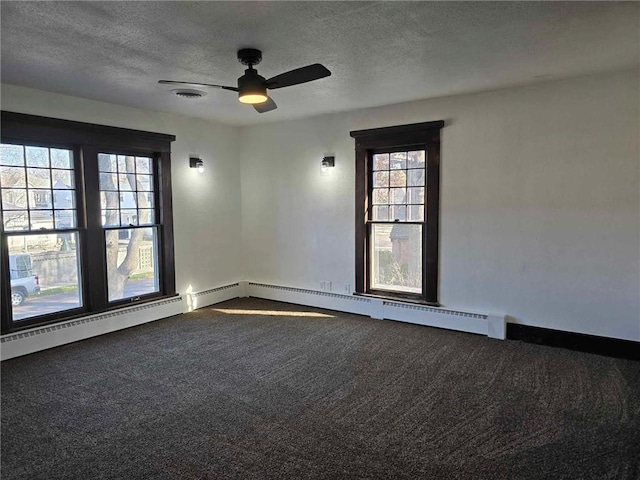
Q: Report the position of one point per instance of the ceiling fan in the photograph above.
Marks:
(252, 88)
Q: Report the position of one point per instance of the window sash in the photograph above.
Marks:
(398, 268)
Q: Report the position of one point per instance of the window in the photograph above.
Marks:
(397, 209)
(128, 220)
(86, 219)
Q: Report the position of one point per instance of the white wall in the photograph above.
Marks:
(540, 209)
(540, 202)
(206, 208)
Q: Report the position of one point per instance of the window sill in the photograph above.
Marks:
(397, 298)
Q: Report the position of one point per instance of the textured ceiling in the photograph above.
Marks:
(379, 52)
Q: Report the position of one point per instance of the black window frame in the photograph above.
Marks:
(425, 135)
(86, 140)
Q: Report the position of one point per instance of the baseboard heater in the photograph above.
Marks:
(212, 296)
(42, 338)
(492, 325)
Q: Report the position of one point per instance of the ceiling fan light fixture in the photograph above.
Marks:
(253, 97)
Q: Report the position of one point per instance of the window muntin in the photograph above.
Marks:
(38, 190)
(126, 190)
(398, 186)
(40, 220)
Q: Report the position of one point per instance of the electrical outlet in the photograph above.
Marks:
(347, 288)
(328, 285)
(322, 285)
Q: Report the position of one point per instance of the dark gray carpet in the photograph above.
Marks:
(269, 393)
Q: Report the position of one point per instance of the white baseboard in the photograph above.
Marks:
(212, 296)
(492, 325)
(41, 338)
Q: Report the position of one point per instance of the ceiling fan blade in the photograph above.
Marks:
(298, 76)
(265, 106)
(172, 82)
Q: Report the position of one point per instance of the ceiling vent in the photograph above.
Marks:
(186, 93)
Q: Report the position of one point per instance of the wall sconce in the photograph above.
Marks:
(195, 162)
(327, 163)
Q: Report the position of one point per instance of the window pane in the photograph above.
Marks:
(62, 179)
(381, 179)
(107, 163)
(145, 217)
(108, 181)
(47, 279)
(109, 200)
(61, 158)
(381, 161)
(39, 178)
(65, 219)
(37, 157)
(128, 200)
(13, 177)
(381, 213)
(40, 199)
(145, 200)
(124, 182)
(398, 213)
(111, 218)
(396, 257)
(416, 159)
(144, 183)
(16, 220)
(397, 195)
(398, 160)
(126, 164)
(14, 199)
(143, 165)
(41, 219)
(416, 195)
(398, 178)
(131, 262)
(128, 217)
(415, 178)
(11, 155)
(64, 199)
(380, 195)
(416, 213)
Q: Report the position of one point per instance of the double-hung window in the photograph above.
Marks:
(86, 221)
(397, 210)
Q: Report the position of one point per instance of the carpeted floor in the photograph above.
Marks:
(253, 389)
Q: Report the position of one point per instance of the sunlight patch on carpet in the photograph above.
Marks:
(272, 313)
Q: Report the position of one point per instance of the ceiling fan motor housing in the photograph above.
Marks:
(249, 56)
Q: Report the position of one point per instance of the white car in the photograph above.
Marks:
(23, 281)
